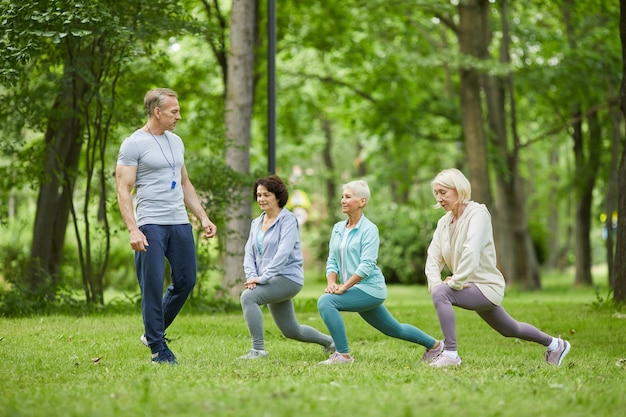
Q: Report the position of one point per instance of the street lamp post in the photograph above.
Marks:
(271, 86)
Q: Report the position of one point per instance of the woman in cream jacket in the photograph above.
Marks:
(463, 242)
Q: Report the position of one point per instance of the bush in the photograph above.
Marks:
(405, 234)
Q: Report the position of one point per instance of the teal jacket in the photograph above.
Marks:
(359, 256)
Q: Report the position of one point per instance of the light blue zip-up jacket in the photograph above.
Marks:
(360, 256)
(280, 250)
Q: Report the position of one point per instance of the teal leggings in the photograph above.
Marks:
(373, 312)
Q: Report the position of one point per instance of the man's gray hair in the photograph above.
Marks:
(156, 98)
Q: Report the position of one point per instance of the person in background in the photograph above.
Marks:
(355, 283)
(151, 161)
(273, 268)
(463, 242)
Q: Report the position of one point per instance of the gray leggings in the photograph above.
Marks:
(277, 294)
(471, 298)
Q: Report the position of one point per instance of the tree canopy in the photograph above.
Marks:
(522, 96)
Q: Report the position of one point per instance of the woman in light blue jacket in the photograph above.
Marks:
(273, 267)
(355, 283)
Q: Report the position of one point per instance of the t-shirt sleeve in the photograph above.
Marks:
(128, 154)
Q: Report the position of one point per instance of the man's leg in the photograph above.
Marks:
(150, 267)
(181, 254)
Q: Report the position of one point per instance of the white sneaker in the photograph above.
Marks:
(431, 354)
(337, 358)
(445, 360)
(254, 354)
(144, 340)
(556, 357)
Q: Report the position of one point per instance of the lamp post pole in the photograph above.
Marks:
(271, 86)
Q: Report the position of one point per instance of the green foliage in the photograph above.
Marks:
(216, 181)
(405, 233)
(376, 82)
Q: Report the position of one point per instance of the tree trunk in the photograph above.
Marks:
(517, 256)
(585, 177)
(94, 242)
(239, 102)
(471, 107)
(329, 165)
(585, 170)
(612, 190)
(559, 245)
(619, 284)
(63, 147)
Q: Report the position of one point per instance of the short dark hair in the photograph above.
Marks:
(274, 185)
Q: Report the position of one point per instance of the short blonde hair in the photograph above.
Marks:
(156, 98)
(454, 179)
(360, 188)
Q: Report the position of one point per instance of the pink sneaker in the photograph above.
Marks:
(337, 358)
(431, 354)
(445, 360)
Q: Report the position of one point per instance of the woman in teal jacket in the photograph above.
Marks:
(355, 283)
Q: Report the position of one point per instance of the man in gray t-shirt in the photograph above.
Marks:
(151, 162)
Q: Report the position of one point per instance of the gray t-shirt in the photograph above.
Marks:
(159, 159)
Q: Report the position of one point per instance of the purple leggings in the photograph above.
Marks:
(471, 298)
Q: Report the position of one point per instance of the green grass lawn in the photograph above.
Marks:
(48, 365)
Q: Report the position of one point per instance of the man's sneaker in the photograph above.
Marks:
(330, 348)
(164, 356)
(445, 360)
(431, 354)
(556, 356)
(144, 340)
(337, 358)
(255, 354)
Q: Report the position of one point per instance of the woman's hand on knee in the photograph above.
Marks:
(331, 289)
(251, 283)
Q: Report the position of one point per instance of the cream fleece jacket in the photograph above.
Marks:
(469, 253)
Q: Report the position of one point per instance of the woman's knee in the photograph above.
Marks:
(437, 292)
(247, 297)
(324, 303)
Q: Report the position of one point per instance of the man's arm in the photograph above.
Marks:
(193, 204)
(125, 176)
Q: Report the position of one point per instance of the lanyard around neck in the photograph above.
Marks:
(171, 164)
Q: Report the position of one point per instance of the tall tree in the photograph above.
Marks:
(517, 254)
(612, 190)
(239, 102)
(470, 35)
(78, 48)
(63, 144)
(619, 287)
(587, 160)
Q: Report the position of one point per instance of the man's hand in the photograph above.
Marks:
(138, 241)
(210, 230)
